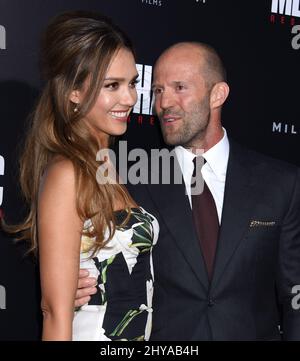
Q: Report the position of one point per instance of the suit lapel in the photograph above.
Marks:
(174, 208)
(237, 207)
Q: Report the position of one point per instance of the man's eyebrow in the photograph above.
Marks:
(155, 86)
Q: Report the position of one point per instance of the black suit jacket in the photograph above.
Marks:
(257, 261)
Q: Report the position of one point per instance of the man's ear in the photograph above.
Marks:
(218, 95)
(75, 96)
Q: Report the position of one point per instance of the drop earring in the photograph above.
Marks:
(76, 108)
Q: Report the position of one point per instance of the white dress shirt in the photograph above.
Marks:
(213, 171)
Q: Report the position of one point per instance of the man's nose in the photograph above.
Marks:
(165, 100)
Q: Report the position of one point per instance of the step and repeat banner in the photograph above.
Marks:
(259, 42)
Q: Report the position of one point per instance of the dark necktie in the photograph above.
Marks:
(206, 221)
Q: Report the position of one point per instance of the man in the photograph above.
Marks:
(240, 285)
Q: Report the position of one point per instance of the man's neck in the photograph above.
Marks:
(210, 139)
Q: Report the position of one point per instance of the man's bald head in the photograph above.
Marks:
(210, 64)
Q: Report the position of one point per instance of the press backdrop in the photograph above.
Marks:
(259, 41)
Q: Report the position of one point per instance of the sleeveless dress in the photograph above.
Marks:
(122, 307)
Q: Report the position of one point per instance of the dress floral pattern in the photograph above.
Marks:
(122, 307)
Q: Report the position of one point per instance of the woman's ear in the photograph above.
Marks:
(218, 95)
(75, 96)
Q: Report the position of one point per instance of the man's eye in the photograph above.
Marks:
(112, 86)
(157, 91)
(180, 87)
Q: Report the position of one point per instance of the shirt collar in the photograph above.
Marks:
(216, 157)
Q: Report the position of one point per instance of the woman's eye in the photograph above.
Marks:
(112, 86)
(134, 83)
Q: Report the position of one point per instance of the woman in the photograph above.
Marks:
(75, 221)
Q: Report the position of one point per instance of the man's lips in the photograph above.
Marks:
(169, 119)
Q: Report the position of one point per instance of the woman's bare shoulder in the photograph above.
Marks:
(59, 173)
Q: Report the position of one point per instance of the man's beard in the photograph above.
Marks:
(193, 127)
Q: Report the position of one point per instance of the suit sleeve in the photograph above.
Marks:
(289, 265)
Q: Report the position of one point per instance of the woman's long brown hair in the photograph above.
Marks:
(76, 46)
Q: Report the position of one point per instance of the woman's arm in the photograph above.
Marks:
(59, 232)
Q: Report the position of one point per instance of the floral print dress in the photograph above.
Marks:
(122, 307)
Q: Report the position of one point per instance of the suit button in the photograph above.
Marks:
(211, 303)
